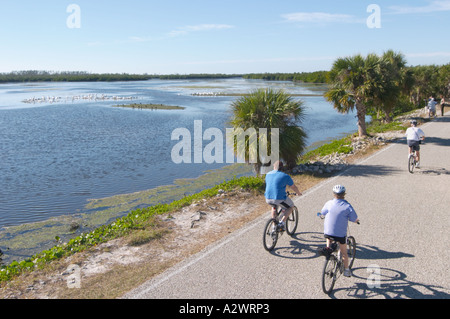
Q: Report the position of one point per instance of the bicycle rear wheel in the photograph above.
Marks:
(329, 274)
(411, 163)
(351, 250)
(270, 236)
(292, 222)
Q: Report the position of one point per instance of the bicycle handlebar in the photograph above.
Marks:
(289, 194)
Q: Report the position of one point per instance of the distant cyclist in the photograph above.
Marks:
(414, 136)
(337, 213)
(275, 194)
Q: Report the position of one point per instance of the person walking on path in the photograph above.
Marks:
(337, 213)
(414, 136)
(275, 194)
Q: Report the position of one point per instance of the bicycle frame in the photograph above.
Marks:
(412, 161)
(334, 264)
(272, 231)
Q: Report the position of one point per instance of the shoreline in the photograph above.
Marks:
(40, 235)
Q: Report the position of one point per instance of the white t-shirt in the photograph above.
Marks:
(432, 105)
(414, 133)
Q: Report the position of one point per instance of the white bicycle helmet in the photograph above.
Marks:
(338, 189)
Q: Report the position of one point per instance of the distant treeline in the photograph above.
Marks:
(309, 77)
(80, 76)
(196, 76)
(77, 76)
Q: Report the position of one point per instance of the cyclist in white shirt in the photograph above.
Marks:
(414, 136)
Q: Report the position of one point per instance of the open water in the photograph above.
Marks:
(63, 144)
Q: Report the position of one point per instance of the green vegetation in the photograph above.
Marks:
(151, 106)
(72, 76)
(342, 145)
(307, 77)
(383, 86)
(141, 221)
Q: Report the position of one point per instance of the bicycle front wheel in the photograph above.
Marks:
(292, 222)
(411, 163)
(351, 250)
(330, 269)
(270, 236)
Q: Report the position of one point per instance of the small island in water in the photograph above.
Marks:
(151, 106)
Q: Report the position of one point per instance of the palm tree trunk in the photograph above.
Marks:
(361, 114)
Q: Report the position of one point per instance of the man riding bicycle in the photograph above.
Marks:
(275, 194)
(337, 213)
(413, 137)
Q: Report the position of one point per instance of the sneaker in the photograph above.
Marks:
(347, 272)
(418, 165)
(281, 226)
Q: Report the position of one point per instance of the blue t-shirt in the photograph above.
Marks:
(337, 214)
(276, 183)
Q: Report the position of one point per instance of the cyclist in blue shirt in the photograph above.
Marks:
(337, 213)
(275, 194)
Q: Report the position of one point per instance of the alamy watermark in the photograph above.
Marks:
(74, 278)
(244, 146)
(374, 278)
(74, 19)
(374, 20)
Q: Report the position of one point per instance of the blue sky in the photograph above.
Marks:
(232, 36)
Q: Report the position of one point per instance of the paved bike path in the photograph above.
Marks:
(403, 233)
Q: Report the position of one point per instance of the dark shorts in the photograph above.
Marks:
(340, 240)
(415, 145)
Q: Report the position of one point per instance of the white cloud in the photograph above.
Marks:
(434, 6)
(201, 27)
(319, 17)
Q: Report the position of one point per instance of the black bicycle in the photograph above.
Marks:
(334, 265)
(273, 229)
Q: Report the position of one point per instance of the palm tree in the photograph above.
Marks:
(394, 80)
(270, 109)
(353, 83)
(425, 79)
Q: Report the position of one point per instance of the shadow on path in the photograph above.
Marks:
(369, 170)
(305, 245)
(387, 283)
(300, 246)
(374, 282)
